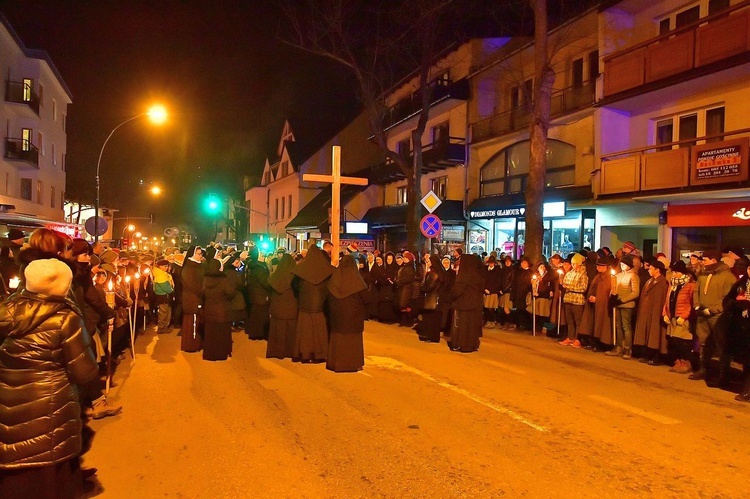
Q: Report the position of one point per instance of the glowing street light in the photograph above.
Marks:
(157, 115)
(155, 190)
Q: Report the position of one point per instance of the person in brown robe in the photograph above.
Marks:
(596, 325)
(347, 303)
(309, 285)
(467, 297)
(650, 330)
(282, 333)
(191, 333)
(218, 291)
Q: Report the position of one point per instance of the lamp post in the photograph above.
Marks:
(158, 115)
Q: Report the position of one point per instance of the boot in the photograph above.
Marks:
(701, 372)
(615, 352)
(744, 395)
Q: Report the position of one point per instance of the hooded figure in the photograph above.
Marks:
(256, 286)
(217, 295)
(233, 270)
(348, 310)
(44, 352)
(309, 284)
(192, 288)
(282, 333)
(386, 295)
(435, 284)
(467, 299)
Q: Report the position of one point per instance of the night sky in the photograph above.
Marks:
(219, 67)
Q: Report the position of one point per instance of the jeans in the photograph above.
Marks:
(573, 316)
(624, 327)
(165, 316)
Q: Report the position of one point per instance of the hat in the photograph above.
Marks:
(577, 259)
(162, 262)
(735, 253)
(48, 277)
(603, 261)
(108, 256)
(14, 234)
(408, 255)
(627, 260)
(352, 248)
(712, 255)
(678, 266)
(658, 264)
(109, 267)
(95, 260)
(696, 254)
(628, 246)
(663, 259)
(147, 258)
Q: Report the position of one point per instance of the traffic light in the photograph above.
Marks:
(264, 245)
(212, 204)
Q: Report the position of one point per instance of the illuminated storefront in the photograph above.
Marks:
(710, 226)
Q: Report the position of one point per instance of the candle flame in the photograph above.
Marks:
(127, 278)
(559, 271)
(14, 282)
(612, 271)
(109, 285)
(137, 275)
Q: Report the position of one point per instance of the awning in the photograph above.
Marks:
(395, 216)
(314, 215)
(511, 201)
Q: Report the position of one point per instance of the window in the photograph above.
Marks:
(39, 192)
(284, 169)
(7, 183)
(26, 189)
(277, 209)
(401, 195)
(283, 207)
(62, 200)
(52, 197)
(715, 6)
(521, 95)
(593, 66)
(577, 73)
(26, 139)
(62, 160)
(290, 205)
(41, 95)
(266, 178)
(688, 16)
(40, 142)
(506, 172)
(692, 14)
(54, 110)
(403, 148)
(438, 186)
(54, 156)
(701, 123)
(28, 89)
(440, 133)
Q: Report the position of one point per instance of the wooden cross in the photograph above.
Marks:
(335, 179)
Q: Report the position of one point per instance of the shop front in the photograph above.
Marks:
(503, 229)
(709, 226)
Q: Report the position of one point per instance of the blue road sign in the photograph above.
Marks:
(430, 226)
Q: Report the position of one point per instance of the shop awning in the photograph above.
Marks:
(494, 203)
(395, 216)
(314, 215)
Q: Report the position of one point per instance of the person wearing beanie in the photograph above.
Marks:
(575, 283)
(596, 324)
(650, 329)
(737, 347)
(628, 248)
(625, 291)
(163, 289)
(45, 353)
(678, 309)
(713, 285)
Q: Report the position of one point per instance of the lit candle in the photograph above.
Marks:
(14, 282)
(110, 295)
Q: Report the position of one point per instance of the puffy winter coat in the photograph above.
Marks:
(403, 284)
(43, 347)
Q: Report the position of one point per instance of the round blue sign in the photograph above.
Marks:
(430, 226)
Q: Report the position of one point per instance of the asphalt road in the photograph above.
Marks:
(523, 416)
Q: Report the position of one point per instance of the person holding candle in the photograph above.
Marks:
(576, 283)
(626, 289)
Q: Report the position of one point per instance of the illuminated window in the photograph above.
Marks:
(401, 195)
(26, 139)
(54, 110)
(28, 89)
(439, 186)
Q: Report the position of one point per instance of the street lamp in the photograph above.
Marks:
(157, 115)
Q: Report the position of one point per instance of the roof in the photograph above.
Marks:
(394, 216)
(315, 213)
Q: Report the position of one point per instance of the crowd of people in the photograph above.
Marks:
(67, 305)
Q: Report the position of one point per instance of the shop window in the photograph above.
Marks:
(438, 186)
(508, 170)
(401, 195)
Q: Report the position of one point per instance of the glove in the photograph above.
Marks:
(666, 319)
(680, 321)
(614, 301)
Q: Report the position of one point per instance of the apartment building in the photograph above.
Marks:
(33, 111)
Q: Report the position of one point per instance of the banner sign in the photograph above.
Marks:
(719, 162)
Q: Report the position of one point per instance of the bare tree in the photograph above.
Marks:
(379, 49)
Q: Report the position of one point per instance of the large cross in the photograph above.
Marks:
(335, 179)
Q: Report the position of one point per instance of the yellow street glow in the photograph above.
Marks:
(156, 190)
(157, 114)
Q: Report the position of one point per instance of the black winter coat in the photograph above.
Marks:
(521, 287)
(404, 283)
(218, 292)
(493, 279)
(43, 351)
(506, 279)
(433, 290)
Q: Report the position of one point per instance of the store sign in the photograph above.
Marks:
(362, 244)
(733, 214)
(453, 233)
(719, 162)
(556, 209)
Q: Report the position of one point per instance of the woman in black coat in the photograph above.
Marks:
(348, 307)
(217, 295)
(192, 288)
(372, 287)
(522, 294)
(237, 309)
(309, 284)
(432, 315)
(445, 305)
(256, 284)
(386, 293)
(467, 297)
(404, 285)
(282, 333)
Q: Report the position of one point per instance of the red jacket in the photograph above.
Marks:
(684, 304)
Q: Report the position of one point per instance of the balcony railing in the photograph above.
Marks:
(21, 150)
(21, 93)
(564, 101)
(439, 90)
(707, 45)
(718, 159)
(436, 156)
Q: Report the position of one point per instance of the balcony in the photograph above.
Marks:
(713, 43)
(564, 101)
(440, 90)
(20, 93)
(21, 150)
(436, 156)
(714, 163)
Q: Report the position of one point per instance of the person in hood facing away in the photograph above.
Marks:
(192, 287)
(44, 353)
(217, 295)
(256, 284)
(309, 284)
(348, 310)
(436, 295)
(467, 297)
(282, 333)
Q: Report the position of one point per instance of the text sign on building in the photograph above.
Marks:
(453, 233)
(430, 226)
(718, 162)
(556, 209)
